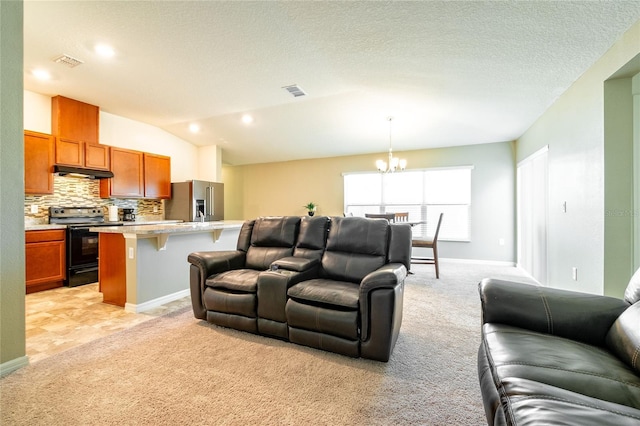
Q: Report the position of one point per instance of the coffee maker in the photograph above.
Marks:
(128, 215)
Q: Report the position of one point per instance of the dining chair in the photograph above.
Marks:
(391, 217)
(431, 243)
(401, 217)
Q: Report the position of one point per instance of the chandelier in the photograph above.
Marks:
(394, 163)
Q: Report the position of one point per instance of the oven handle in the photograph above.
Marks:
(85, 270)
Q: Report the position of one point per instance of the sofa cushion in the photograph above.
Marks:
(272, 238)
(358, 235)
(262, 257)
(632, 292)
(559, 362)
(534, 403)
(275, 231)
(624, 337)
(312, 237)
(237, 280)
(327, 292)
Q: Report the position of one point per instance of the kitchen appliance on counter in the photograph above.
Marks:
(128, 215)
(82, 245)
(195, 201)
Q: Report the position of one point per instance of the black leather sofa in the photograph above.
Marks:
(557, 357)
(332, 283)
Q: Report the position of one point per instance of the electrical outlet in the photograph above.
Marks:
(501, 241)
(34, 209)
(155, 209)
(574, 273)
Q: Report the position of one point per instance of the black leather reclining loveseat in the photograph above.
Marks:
(332, 283)
(557, 357)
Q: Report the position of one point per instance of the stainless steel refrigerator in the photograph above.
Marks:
(194, 199)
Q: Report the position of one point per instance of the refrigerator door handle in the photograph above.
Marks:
(211, 203)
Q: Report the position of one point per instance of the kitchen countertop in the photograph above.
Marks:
(44, 227)
(169, 228)
(48, 226)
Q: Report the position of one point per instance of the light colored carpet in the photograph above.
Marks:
(179, 370)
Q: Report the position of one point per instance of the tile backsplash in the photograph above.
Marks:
(82, 192)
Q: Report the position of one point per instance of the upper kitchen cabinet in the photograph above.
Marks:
(76, 126)
(75, 153)
(75, 120)
(128, 175)
(157, 176)
(38, 163)
(137, 175)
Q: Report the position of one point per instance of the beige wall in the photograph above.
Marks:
(573, 127)
(284, 188)
(12, 326)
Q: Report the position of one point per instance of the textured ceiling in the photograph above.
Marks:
(450, 73)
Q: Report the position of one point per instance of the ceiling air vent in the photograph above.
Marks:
(67, 60)
(295, 90)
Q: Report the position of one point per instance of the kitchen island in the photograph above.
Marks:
(145, 266)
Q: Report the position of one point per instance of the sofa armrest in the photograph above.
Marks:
(297, 264)
(388, 276)
(574, 315)
(214, 262)
(203, 265)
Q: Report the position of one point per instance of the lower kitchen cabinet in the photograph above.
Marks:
(45, 259)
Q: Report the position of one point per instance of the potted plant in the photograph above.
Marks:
(311, 208)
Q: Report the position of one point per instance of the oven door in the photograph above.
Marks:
(82, 247)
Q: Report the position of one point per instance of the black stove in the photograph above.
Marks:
(82, 245)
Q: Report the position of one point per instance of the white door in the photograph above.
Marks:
(532, 201)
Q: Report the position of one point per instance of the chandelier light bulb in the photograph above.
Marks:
(394, 162)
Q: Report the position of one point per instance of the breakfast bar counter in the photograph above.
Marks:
(145, 266)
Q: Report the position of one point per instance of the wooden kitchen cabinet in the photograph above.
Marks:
(128, 175)
(38, 163)
(45, 259)
(97, 156)
(157, 176)
(75, 120)
(81, 154)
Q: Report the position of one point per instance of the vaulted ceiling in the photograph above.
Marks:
(449, 72)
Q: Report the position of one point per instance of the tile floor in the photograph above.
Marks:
(62, 318)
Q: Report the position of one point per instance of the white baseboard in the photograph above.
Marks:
(478, 261)
(13, 365)
(142, 307)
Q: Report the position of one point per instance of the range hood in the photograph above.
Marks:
(80, 172)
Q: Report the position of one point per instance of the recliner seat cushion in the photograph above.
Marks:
(237, 280)
(327, 292)
(563, 364)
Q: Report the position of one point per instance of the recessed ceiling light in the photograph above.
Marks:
(104, 50)
(247, 119)
(194, 128)
(41, 74)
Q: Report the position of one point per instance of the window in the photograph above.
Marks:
(423, 193)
